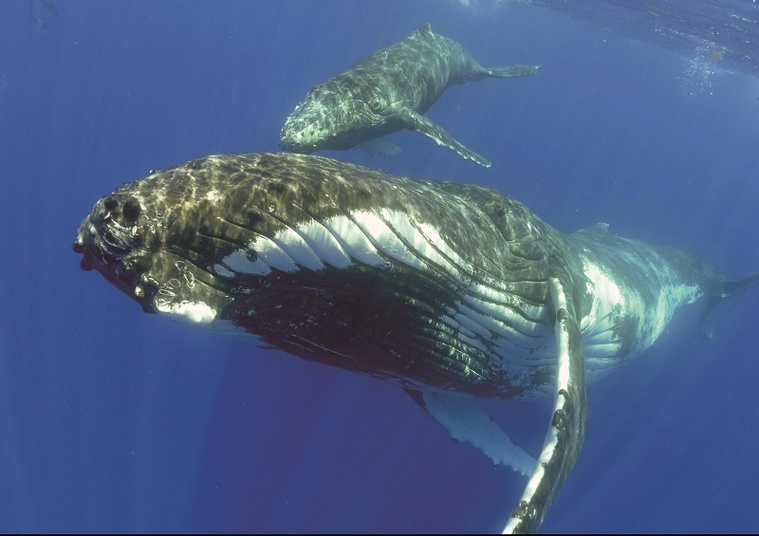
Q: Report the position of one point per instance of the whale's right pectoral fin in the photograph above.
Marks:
(435, 132)
(567, 428)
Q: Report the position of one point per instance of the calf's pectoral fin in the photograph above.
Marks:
(566, 431)
(435, 132)
(511, 71)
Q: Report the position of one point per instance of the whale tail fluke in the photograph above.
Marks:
(727, 289)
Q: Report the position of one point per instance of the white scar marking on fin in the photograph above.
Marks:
(200, 313)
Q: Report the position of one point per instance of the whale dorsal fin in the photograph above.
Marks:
(566, 431)
(425, 28)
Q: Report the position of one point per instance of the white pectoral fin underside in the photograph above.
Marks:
(566, 431)
(435, 132)
(466, 420)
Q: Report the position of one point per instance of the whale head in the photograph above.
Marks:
(335, 118)
(112, 241)
(138, 238)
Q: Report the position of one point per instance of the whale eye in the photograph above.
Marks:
(375, 104)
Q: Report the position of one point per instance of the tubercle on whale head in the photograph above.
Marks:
(297, 134)
(305, 127)
(111, 241)
(293, 141)
(142, 238)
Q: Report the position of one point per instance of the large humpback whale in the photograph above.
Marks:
(386, 92)
(452, 291)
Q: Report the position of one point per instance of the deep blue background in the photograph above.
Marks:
(113, 420)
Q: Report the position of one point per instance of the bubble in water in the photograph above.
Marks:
(700, 70)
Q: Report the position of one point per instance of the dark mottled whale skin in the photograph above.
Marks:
(439, 287)
(386, 92)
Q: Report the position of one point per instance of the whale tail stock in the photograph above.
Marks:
(729, 288)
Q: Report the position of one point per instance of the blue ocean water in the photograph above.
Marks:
(112, 420)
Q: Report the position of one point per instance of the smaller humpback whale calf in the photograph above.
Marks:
(451, 291)
(386, 92)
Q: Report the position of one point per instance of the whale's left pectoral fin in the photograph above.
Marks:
(566, 431)
(466, 420)
(435, 132)
(380, 147)
(511, 71)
